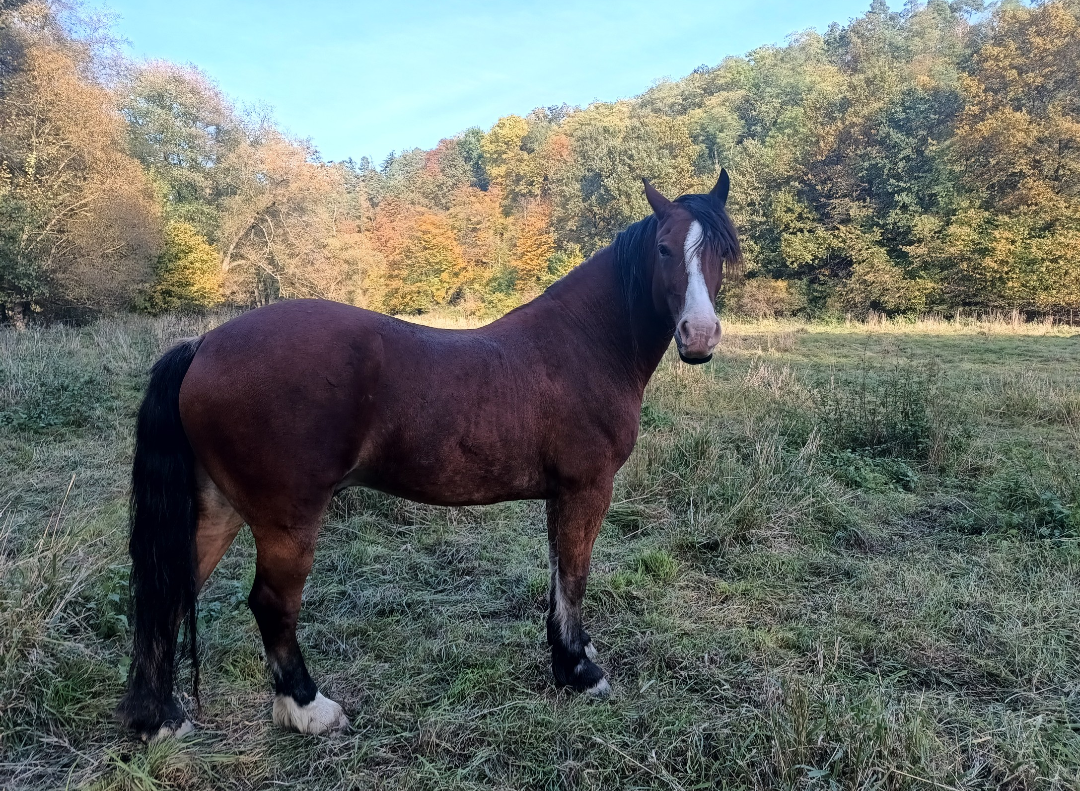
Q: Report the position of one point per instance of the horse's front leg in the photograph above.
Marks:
(574, 520)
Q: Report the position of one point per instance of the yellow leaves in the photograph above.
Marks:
(1032, 57)
(1018, 145)
(1021, 122)
(433, 253)
(501, 148)
(1030, 267)
(1027, 259)
(424, 268)
(189, 273)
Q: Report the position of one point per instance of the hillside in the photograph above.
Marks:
(911, 162)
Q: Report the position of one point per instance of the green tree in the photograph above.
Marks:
(180, 127)
(598, 192)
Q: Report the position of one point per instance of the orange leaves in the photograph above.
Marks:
(89, 226)
(424, 264)
(534, 244)
(468, 253)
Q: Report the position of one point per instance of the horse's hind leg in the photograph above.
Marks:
(217, 527)
(283, 561)
(573, 523)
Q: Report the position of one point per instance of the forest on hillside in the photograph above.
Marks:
(926, 160)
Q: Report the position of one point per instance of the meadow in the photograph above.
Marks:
(841, 556)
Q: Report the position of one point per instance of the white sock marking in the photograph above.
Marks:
(563, 613)
(319, 716)
(601, 689)
(165, 732)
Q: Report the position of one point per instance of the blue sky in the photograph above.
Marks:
(365, 78)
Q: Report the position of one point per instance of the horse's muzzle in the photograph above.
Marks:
(696, 337)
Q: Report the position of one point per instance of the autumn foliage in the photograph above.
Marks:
(914, 161)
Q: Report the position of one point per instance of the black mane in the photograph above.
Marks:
(633, 246)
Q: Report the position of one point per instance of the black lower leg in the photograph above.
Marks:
(148, 704)
(278, 627)
(573, 522)
(570, 662)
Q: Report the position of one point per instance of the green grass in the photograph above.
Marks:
(840, 557)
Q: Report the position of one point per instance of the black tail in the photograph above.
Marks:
(163, 516)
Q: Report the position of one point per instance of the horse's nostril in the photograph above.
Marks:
(684, 329)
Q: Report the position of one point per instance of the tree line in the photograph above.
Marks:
(912, 161)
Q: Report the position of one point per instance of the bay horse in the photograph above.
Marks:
(263, 419)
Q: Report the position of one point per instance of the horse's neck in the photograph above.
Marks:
(629, 331)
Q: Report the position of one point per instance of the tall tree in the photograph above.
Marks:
(180, 128)
(79, 226)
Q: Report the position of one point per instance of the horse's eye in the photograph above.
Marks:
(665, 251)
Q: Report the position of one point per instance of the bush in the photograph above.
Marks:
(903, 412)
(877, 284)
(1012, 503)
(189, 274)
(886, 413)
(765, 298)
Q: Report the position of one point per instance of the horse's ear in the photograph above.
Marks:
(723, 185)
(659, 203)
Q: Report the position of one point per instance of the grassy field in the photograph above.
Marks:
(840, 557)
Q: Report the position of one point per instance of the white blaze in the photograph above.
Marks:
(697, 307)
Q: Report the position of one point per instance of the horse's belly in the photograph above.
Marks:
(458, 474)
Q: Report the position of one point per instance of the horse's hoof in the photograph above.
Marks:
(322, 715)
(169, 732)
(584, 676)
(150, 719)
(601, 690)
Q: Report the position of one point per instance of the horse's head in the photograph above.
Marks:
(695, 238)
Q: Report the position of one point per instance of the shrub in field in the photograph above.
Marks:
(189, 274)
(1013, 504)
(740, 486)
(881, 412)
(763, 297)
(868, 472)
(1026, 396)
(902, 412)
